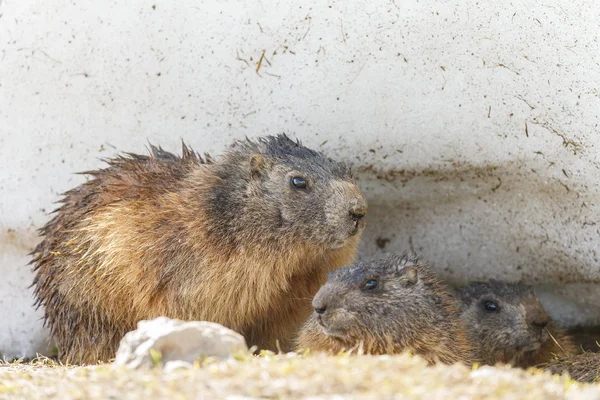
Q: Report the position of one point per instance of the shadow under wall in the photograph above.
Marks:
(513, 222)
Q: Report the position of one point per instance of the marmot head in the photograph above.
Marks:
(276, 189)
(397, 298)
(505, 320)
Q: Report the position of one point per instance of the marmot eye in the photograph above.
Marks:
(298, 182)
(490, 306)
(370, 284)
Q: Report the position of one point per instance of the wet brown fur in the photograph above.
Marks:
(425, 322)
(137, 242)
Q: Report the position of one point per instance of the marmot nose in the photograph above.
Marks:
(320, 310)
(357, 215)
(358, 208)
(541, 324)
(319, 305)
(537, 317)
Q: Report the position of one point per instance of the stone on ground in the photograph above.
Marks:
(163, 340)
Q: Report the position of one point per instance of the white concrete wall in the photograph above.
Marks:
(475, 124)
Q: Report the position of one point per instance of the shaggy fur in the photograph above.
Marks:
(519, 332)
(229, 241)
(408, 310)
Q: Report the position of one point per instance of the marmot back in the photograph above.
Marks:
(387, 306)
(508, 324)
(242, 241)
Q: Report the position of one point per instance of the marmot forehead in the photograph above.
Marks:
(495, 288)
(282, 149)
(354, 274)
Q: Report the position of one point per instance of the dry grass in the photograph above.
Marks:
(288, 376)
(582, 367)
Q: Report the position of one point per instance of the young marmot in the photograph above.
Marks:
(387, 306)
(508, 324)
(244, 241)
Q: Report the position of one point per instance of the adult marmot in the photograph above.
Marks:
(245, 241)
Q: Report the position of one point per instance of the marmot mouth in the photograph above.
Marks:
(320, 321)
(328, 330)
(357, 228)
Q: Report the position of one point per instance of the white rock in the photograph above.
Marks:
(176, 340)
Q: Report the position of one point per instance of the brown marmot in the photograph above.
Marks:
(244, 241)
(385, 307)
(508, 324)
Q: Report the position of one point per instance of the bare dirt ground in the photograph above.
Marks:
(288, 376)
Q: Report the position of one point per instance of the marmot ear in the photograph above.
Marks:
(258, 165)
(409, 276)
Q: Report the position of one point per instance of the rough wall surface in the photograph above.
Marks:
(473, 125)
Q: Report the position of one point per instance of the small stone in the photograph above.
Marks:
(163, 340)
